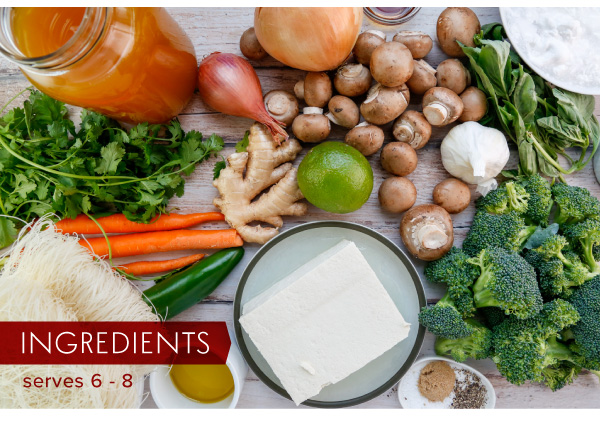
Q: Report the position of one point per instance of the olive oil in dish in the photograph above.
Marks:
(206, 383)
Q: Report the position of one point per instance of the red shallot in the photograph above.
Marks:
(229, 84)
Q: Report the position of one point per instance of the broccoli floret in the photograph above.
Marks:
(586, 236)
(506, 281)
(540, 201)
(508, 197)
(506, 231)
(524, 348)
(443, 319)
(455, 270)
(586, 332)
(560, 269)
(560, 374)
(574, 204)
(477, 345)
(493, 316)
(453, 266)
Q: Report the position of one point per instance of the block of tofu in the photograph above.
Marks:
(324, 321)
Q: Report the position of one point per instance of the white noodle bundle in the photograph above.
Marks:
(50, 277)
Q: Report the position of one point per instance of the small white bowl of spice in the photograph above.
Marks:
(441, 383)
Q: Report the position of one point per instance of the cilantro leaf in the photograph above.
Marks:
(111, 157)
(8, 232)
(242, 145)
(219, 166)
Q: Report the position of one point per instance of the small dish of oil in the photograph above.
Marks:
(207, 383)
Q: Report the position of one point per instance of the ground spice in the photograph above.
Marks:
(469, 392)
(436, 381)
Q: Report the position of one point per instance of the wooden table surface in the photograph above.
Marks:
(219, 30)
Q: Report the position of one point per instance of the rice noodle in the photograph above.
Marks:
(50, 277)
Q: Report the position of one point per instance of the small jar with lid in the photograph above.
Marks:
(132, 64)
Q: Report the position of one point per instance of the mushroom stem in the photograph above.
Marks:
(351, 70)
(406, 131)
(332, 118)
(278, 104)
(312, 110)
(436, 113)
(431, 236)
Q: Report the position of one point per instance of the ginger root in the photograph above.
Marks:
(266, 166)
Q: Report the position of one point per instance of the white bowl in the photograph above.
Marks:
(408, 384)
(166, 395)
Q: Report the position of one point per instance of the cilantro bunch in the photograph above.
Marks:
(47, 165)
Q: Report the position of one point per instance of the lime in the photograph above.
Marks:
(335, 177)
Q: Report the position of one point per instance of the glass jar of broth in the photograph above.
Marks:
(134, 64)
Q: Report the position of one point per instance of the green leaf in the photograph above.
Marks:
(242, 145)
(494, 60)
(8, 232)
(86, 204)
(111, 157)
(524, 97)
(23, 186)
(219, 166)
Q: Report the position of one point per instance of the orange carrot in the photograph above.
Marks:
(154, 266)
(154, 242)
(119, 224)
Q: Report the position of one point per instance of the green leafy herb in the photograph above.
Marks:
(542, 121)
(242, 145)
(219, 166)
(47, 165)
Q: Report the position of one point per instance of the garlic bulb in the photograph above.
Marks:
(475, 154)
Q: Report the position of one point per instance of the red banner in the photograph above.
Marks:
(132, 343)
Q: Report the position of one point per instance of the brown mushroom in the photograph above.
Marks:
(365, 44)
(250, 46)
(317, 89)
(413, 128)
(343, 111)
(365, 137)
(384, 104)
(311, 126)
(422, 79)
(397, 194)
(399, 158)
(441, 106)
(475, 104)
(452, 74)
(352, 79)
(452, 194)
(391, 64)
(282, 105)
(419, 43)
(427, 232)
(457, 24)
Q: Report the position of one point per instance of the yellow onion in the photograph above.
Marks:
(308, 38)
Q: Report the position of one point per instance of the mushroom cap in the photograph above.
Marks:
(475, 104)
(422, 79)
(413, 128)
(399, 158)
(282, 105)
(384, 104)
(452, 194)
(419, 43)
(250, 46)
(457, 24)
(352, 79)
(343, 111)
(317, 89)
(452, 74)
(441, 106)
(311, 127)
(391, 64)
(366, 44)
(299, 89)
(397, 194)
(427, 231)
(365, 137)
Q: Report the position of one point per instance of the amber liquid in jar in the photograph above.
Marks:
(142, 67)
